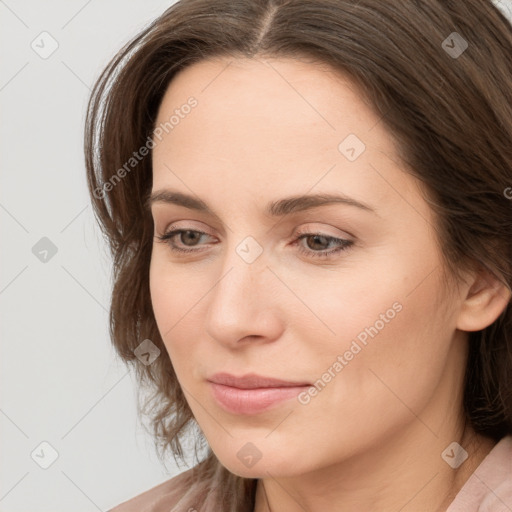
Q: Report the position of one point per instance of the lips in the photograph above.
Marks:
(253, 381)
(252, 394)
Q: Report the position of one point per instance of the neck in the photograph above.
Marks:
(402, 472)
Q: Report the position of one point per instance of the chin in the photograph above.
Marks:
(249, 462)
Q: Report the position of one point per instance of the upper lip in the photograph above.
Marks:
(253, 381)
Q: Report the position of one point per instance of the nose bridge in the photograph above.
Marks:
(243, 269)
(239, 300)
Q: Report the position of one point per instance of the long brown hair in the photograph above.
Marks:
(448, 106)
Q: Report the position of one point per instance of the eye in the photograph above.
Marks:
(318, 239)
(169, 236)
(321, 239)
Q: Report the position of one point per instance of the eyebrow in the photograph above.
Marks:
(279, 208)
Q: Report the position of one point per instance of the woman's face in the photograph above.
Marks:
(354, 314)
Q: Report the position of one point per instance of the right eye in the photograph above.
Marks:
(168, 238)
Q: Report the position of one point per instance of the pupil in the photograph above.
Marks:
(190, 233)
(316, 238)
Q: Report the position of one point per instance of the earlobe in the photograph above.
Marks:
(486, 299)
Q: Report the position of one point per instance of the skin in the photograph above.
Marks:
(372, 439)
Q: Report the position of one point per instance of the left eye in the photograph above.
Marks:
(341, 244)
(317, 238)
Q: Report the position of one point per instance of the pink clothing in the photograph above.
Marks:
(488, 489)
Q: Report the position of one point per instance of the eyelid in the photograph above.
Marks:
(198, 222)
(324, 231)
(305, 228)
(187, 226)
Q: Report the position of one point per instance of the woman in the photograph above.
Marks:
(309, 211)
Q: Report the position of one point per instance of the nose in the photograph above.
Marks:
(245, 303)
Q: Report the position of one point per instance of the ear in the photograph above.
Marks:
(486, 299)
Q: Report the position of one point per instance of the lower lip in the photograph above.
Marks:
(252, 401)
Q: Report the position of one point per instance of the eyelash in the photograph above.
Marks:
(342, 243)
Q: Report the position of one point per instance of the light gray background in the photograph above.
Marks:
(60, 381)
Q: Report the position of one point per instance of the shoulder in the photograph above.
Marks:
(500, 499)
(498, 479)
(489, 488)
(160, 497)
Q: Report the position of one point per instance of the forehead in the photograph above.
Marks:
(278, 89)
(261, 125)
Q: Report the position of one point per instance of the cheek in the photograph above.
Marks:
(388, 355)
(176, 299)
(385, 316)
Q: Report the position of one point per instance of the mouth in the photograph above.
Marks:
(252, 394)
